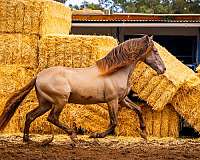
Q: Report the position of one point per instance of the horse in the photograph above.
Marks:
(107, 81)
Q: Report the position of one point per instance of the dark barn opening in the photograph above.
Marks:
(183, 47)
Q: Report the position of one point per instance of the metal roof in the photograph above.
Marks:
(138, 18)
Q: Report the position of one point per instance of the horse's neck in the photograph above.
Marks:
(128, 70)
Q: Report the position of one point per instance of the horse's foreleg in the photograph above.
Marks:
(129, 104)
(54, 118)
(113, 112)
(32, 115)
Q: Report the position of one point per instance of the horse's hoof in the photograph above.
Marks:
(74, 137)
(143, 135)
(47, 141)
(26, 139)
(96, 135)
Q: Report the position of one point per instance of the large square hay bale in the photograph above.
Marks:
(12, 78)
(158, 90)
(186, 102)
(73, 50)
(19, 49)
(34, 17)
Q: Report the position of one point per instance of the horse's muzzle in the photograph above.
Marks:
(161, 71)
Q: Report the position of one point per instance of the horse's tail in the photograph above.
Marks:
(13, 102)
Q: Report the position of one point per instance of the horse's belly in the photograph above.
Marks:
(86, 92)
(87, 98)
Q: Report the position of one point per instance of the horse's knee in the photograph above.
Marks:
(51, 119)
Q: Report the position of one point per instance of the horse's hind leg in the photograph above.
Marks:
(113, 112)
(32, 115)
(54, 118)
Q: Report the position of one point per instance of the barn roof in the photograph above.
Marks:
(135, 17)
(136, 20)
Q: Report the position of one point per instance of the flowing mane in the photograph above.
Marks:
(123, 54)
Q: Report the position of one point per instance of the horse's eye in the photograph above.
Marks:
(155, 50)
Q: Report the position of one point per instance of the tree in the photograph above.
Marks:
(145, 6)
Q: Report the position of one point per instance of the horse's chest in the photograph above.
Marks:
(115, 89)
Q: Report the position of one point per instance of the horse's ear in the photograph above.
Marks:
(148, 39)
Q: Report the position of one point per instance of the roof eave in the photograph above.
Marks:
(109, 24)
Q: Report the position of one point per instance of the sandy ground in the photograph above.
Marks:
(12, 148)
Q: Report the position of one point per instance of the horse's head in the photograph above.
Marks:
(152, 58)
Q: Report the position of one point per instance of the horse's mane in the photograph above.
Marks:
(123, 54)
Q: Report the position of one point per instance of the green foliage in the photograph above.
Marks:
(145, 6)
(61, 1)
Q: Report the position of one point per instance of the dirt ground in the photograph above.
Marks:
(12, 148)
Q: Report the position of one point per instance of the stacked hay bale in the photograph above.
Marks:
(186, 102)
(29, 26)
(87, 12)
(73, 50)
(12, 78)
(179, 87)
(22, 24)
(158, 90)
(38, 17)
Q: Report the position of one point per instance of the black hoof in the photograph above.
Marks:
(26, 139)
(143, 135)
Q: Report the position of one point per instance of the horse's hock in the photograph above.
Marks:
(33, 37)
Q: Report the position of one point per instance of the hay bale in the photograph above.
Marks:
(12, 78)
(163, 123)
(87, 11)
(198, 69)
(34, 17)
(186, 102)
(73, 50)
(19, 49)
(158, 90)
(173, 121)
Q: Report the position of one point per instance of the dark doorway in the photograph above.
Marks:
(186, 130)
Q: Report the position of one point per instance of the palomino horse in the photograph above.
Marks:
(105, 82)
